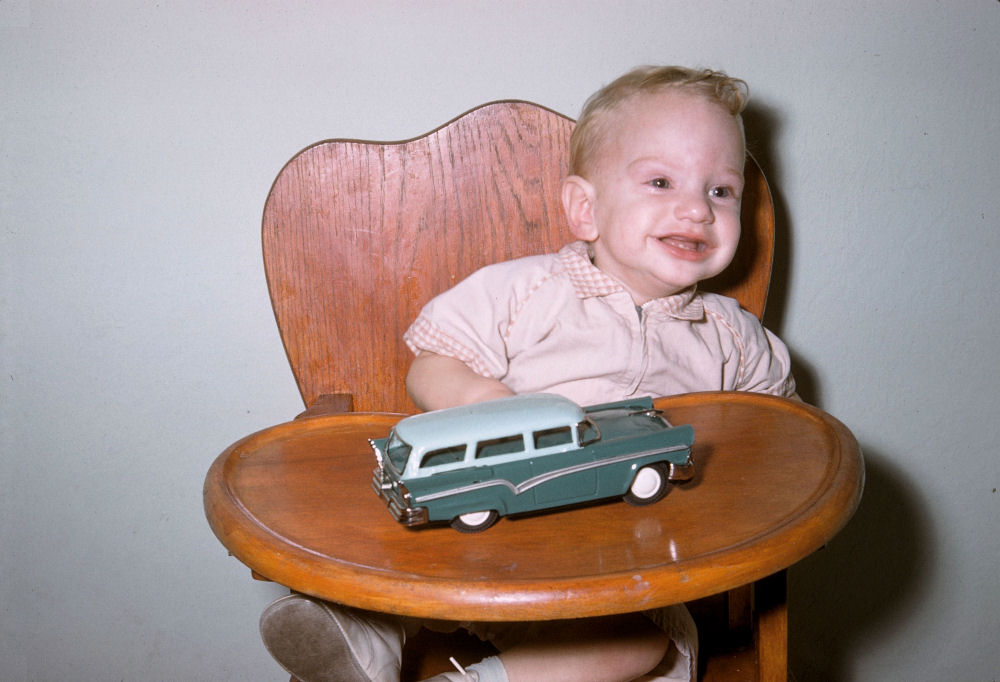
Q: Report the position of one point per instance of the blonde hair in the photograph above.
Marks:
(729, 93)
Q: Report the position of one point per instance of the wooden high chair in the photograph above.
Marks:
(358, 236)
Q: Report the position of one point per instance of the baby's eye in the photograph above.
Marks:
(721, 192)
(659, 183)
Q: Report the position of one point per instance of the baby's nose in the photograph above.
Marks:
(693, 207)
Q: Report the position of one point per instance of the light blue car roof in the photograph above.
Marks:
(491, 419)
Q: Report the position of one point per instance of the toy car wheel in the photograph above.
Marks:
(473, 522)
(649, 485)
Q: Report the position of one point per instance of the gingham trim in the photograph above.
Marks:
(586, 278)
(589, 281)
(424, 335)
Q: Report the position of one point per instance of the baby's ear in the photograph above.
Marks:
(578, 203)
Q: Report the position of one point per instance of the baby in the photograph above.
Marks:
(653, 199)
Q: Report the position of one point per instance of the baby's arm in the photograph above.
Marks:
(438, 381)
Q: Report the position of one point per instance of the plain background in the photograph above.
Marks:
(138, 142)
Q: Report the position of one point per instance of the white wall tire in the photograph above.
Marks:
(649, 485)
(474, 522)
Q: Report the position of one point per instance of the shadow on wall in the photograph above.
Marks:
(864, 581)
(763, 125)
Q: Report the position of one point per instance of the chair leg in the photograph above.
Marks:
(740, 603)
(771, 628)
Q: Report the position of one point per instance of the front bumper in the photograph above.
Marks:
(681, 472)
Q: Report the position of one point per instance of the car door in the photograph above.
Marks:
(506, 460)
(560, 470)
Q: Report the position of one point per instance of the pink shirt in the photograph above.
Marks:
(556, 323)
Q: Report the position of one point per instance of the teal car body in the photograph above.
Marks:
(470, 465)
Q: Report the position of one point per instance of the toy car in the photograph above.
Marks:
(470, 465)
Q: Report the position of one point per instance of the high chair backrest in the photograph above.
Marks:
(358, 236)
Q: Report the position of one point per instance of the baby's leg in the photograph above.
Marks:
(610, 649)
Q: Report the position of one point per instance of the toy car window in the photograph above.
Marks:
(551, 438)
(450, 455)
(500, 446)
(588, 432)
(398, 451)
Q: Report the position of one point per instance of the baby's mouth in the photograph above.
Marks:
(682, 243)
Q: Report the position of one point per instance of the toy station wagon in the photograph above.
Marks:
(469, 465)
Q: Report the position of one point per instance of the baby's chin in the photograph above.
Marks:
(678, 279)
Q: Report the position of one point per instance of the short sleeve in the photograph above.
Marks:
(764, 364)
(468, 322)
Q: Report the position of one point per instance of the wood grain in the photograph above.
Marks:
(776, 480)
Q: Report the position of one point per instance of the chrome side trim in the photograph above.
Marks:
(535, 481)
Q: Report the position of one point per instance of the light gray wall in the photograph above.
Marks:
(139, 141)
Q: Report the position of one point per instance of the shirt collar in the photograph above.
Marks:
(590, 282)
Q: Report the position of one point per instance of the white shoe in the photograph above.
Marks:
(317, 641)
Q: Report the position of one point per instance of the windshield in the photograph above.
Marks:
(398, 451)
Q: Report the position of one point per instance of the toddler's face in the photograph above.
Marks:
(665, 193)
